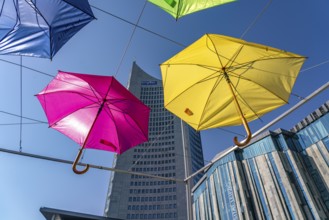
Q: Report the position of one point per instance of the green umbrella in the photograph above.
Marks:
(179, 8)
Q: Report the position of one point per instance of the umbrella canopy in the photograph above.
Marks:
(223, 81)
(40, 28)
(179, 8)
(95, 111)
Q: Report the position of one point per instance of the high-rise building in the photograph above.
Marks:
(280, 175)
(173, 152)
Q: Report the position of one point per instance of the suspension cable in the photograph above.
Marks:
(83, 164)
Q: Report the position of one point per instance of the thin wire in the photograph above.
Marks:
(130, 40)
(4, 112)
(256, 19)
(37, 156)
(26, 123)
(312, 67)
(309, 68)
(298, 96)
(26, 67)
(147, 30)
(232, 132)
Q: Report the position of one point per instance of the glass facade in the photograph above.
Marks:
(281, 175)
(141, 197)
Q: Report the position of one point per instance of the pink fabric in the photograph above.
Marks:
(72, 101)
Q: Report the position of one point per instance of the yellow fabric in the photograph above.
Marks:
(196, 90)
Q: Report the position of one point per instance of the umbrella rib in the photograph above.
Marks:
(37, 12)
(214, 68)
(17, 19)
(95, 94)
(232, 74)
(83, 87)
(235, 56)
(179, 7)
(239, 51)
(260, 60)
(70, 83)
(91, 15)
(117, 109)
(219, 79)
(125, 113)
(86, 107)
(79, 93)
(113, 118)
(80, 86)
(245, 102)
(82, 95)
(187, 88)
(239, 76)
(216, 52)
(108, 110)
(231, 60)
(259, 86)
(3, 3)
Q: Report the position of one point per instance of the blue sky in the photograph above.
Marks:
(103, 48)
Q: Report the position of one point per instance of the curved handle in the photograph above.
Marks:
(74, 166)
(247, 140)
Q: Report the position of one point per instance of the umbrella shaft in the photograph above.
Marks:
(101, 107)
(226, 76)
(233, 94)
(99, 111)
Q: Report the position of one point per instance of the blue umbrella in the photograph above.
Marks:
(39, 28)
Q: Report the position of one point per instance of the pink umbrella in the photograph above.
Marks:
(96, 112)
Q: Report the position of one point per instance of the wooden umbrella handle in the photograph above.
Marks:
(248, 138)
(74, 166)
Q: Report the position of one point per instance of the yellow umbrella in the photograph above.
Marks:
(223, 81)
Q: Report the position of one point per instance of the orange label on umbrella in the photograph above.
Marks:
(188, 112)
